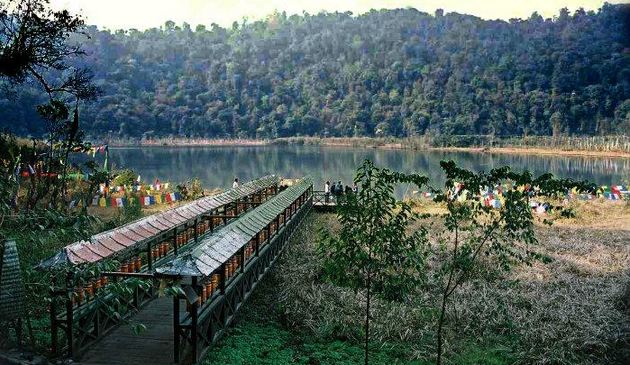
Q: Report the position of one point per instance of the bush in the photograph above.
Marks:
(124, 177)
(191, 189)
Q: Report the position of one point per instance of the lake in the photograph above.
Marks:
(217, 166)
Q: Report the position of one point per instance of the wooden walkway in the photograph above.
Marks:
(324, 203)
(153, 346)
(230, 261)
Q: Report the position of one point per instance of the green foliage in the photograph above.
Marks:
(501, 237)
(487, 354)
(373, 250)
(400, 72)
(373, 243)
(40, 233)
(34, 46)
(124, 177)
(138, 328)
(268, 343)
(33, 39)
(191, 189)
(126, 214)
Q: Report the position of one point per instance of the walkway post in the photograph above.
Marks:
(176, 329)
(268, 231)
(53, 314)
(194, 315)
(175, 241)
(222, 279)
(242, 259)
(69, 315)
(196, 229)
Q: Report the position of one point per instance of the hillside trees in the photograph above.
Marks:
(389, 72)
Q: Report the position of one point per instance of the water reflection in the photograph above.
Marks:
(217, 166)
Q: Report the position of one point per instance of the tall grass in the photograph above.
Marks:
(568, 311)
(619, 143)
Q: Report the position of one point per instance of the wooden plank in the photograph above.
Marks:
(153, 346)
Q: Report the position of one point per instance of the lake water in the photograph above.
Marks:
(217, 166)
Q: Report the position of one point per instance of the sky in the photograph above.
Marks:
(143, 14)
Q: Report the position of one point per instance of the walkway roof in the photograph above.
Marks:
(217, 248)
(107, 244)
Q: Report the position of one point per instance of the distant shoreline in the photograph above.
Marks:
(391, 144)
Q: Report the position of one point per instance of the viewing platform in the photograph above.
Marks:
(323, 202)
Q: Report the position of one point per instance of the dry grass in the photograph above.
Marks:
(599, 214)
(568, 311)
(572, 310)
(594, 214)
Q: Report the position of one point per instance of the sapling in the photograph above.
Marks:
(373, 251)
(503, 235)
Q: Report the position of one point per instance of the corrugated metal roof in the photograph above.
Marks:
(217, 248)
(106, 244)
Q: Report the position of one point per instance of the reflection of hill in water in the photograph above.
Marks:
(217, 166)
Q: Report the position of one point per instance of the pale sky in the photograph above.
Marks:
(142, 14)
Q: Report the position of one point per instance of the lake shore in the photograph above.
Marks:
(535, 151)
(378, 143)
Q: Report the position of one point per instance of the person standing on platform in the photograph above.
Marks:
(339, 188)
(326, 191)
(235, 183)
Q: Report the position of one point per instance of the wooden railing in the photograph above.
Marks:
(209, 314)
(84, 315)
(324, 200)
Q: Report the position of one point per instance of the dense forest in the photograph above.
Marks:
(384, 73)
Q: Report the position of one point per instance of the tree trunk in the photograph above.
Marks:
(367, 318)
(438, 360)
(31, 336)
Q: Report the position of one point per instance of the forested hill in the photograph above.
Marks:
(389, 72)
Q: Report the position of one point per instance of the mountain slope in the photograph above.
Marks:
(389, 72)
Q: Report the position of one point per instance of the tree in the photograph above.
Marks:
(477, 232)
(373, 251)
(169, 26)
(34, 44)
(33, 41)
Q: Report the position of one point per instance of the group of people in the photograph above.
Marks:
(338, 189)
